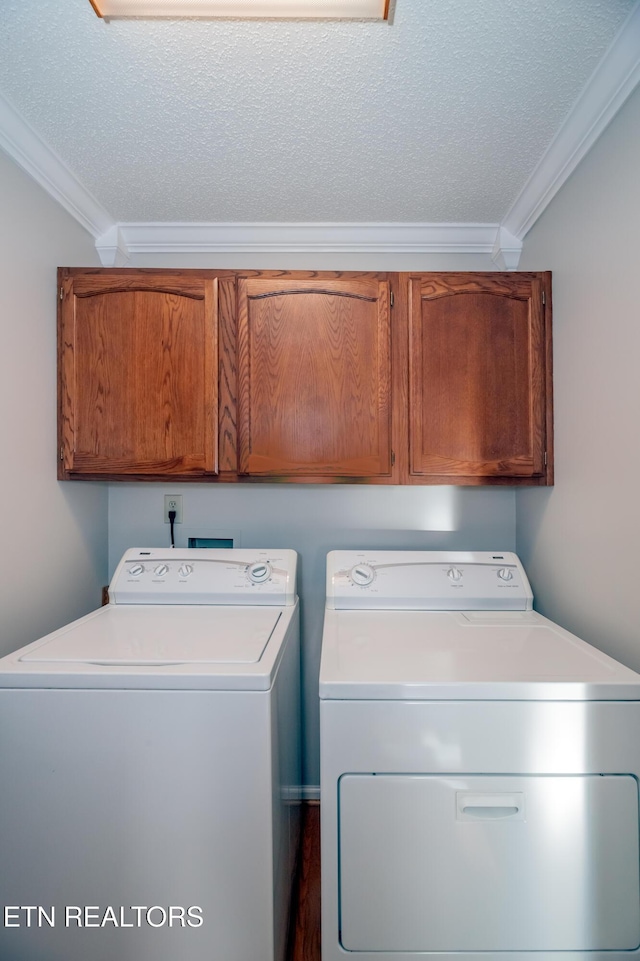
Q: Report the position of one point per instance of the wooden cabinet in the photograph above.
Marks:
(314, 377)
(479, 390)
(305, 376)
(138, 374)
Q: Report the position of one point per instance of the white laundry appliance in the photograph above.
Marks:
(149, 766)
(479, 770)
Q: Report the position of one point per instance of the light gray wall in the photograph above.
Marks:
(54, 556)
(579, 541)
(314, 519)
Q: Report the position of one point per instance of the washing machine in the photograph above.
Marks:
(150, 767)
(479, 770)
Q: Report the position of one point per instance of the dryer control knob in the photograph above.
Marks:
(454, 573)
(161, 570)
(362, 574)
(259, 572)
(505, 574)
(136, 569)
(185, 569)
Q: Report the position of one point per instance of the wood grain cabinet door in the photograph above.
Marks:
(314, 373)
(478, 383)
(138, 366)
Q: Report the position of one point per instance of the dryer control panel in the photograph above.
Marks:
(205, 576)
(427, 581)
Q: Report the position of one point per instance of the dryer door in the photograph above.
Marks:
(488, 863)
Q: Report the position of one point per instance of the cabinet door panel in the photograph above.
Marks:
(139, 376)
(314, 373)
(477, 379)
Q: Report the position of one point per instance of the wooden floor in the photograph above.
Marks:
(304, 938)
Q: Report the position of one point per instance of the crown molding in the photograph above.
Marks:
(612, 82)
(126, 240)
(506, 250)
(112, 248)
(123, 241)
(21, 142)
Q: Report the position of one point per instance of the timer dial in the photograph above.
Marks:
(454, 573)
(259, 572)
(185, 569)
(362, 574)
(505, 574)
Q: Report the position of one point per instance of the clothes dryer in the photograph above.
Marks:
(479, 769)
(150, 767)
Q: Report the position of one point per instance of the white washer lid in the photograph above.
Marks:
(473, 655)
(175, 647)
(177, 635)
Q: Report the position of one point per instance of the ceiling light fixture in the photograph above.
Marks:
(245, 9)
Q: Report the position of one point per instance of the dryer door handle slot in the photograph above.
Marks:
(489, 807)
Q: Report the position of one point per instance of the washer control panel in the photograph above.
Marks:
(204, 576)
(427, 580)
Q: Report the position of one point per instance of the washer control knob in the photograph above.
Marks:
(161, 570)
(185, 569)
(454, 573)
(259, 572)
(362, 574)
(136, 569)
(505, 574)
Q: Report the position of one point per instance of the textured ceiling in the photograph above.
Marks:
(438, 117)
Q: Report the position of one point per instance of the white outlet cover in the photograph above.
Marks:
(169, 500)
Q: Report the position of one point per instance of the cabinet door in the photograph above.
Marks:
(314, 372)
(478, 384)
(138, 373)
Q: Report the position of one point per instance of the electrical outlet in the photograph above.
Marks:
(173, 502)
